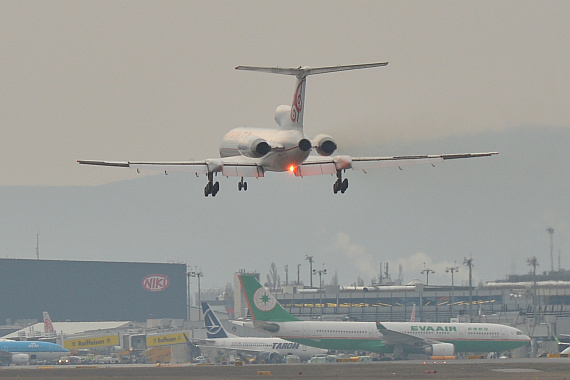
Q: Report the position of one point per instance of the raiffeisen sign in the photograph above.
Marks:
(155, 282)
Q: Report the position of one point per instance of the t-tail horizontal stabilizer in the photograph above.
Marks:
(303, 71)
(293, 117)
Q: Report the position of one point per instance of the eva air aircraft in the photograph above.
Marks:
(438, 339)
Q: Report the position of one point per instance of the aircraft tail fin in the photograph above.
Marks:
(48, 326)
(413, 316)
(292, 117)
(214, 329)
(262, 304)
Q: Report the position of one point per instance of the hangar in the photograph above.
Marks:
(91, 290)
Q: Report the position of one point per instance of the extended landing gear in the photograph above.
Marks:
(242, 185)
(211, 187)
(339, 184)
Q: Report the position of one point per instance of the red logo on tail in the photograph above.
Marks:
(297, 106)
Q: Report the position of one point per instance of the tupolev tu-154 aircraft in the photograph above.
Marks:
(250, 152)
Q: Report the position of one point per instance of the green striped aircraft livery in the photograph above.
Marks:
(430, 338)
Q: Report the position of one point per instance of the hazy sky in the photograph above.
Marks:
(155, 79)
(150, 80)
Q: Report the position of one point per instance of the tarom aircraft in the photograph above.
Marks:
(437, 339)
(270, 348)
(24, 352)
(250, 152)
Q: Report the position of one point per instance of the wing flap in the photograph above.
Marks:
(364, 163)
(230, 167)
(315, 168)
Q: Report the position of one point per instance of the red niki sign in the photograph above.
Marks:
(155, 282)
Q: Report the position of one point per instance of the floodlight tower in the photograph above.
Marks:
(310, 259)
(452, 270)
(198, 273)
(533, 262)
(321, 272)
(469, 263)
(550, 231)
(427, 271)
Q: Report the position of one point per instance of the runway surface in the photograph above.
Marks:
(520, 369)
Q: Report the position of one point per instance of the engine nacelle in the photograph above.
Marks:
(441, 349)
(267, 357)
(253, 146)
(20, 359)
(324, 144)
(304, 145)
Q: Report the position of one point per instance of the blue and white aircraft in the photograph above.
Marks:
(24, 352)
(271, 348)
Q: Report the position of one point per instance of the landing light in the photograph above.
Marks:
(292, 168)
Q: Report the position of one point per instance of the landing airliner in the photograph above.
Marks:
(272, 348)
(438, 339)
(250, 152)
(24, 352)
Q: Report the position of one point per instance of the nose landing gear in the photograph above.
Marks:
(242, 185)
(339, 184)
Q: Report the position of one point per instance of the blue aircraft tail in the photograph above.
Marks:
(214, 328)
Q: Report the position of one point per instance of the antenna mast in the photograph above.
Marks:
(550, 231)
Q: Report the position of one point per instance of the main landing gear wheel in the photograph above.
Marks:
(340, 184)
(211, 187)
(242, 185)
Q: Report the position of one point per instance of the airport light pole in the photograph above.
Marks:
(298, 274)
(469, 263)
(550, 231)
(320, 272)
(310, 259)
(198, 273)
(427, 271)
(189, 300)
(533, 262)
(452, 270)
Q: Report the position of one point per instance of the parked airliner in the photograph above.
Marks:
(250, 152)
(438, 339)
(271, 348)
(24, 352)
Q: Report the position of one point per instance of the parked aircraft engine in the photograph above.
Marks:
(267, 357)
(253, 146)
(20, 359)
(324, 144)
(441, 349)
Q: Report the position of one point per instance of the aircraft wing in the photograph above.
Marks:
(239, 166)
(391, 337)
(317, 165)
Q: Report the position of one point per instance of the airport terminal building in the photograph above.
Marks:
(91, 290)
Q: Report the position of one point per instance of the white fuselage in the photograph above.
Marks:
(284, 145)
(269, 345)
(466, 337)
